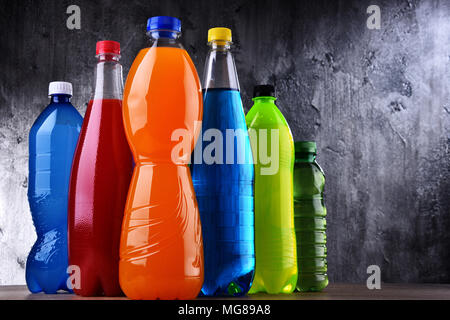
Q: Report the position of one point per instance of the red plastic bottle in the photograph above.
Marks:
(100, 177)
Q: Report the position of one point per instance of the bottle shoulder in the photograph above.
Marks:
(266, 115)
(220, 70)
(58, 113)
(163, 51)
(316, 164)
(312, 167)
(309, 181)
(160, 62)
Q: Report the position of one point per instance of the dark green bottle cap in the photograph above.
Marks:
(306, 146)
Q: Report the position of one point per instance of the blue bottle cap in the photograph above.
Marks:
(164, 23)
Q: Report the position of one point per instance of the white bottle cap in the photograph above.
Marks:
(59, 87)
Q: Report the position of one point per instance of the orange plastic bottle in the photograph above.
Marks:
(161, 249)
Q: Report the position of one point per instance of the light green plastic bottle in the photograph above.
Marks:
(275, 244)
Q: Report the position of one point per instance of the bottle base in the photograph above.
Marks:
(35, 287)
(237, 287)
(315, 283)
(173, 289)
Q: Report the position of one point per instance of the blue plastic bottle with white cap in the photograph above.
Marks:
(52, 141)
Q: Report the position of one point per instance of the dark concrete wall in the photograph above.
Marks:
(376, 102)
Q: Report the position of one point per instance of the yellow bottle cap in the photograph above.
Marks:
(219, 34)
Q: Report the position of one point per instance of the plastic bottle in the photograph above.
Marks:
(101, 174)
(310, 222)
(223, 178)
(52, 141)
(275, 245)
(161, 252)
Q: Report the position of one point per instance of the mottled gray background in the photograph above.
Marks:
(376, 101)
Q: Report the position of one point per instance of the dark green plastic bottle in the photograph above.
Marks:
(309, 218)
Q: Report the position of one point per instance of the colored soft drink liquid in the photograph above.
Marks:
(161, 252)
(223, 178)
(101, 174)
(310, 222)
(273, 149)
(53, 138)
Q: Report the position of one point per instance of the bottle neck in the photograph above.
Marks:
(305, 157)
(165, 38)
(220, 69)
(264, 100)
(60, 98)
(109, 81)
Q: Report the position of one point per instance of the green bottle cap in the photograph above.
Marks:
(306, 146)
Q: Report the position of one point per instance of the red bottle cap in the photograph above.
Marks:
(108, 47)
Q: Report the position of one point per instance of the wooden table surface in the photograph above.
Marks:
(335, 291)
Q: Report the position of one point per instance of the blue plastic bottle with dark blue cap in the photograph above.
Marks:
(52, 142)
